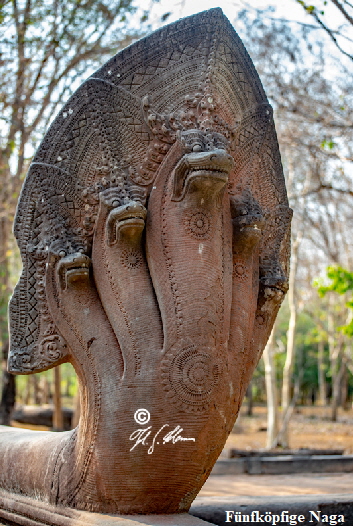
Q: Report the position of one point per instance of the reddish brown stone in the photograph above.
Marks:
(154, 232)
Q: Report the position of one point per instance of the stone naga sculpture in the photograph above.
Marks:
(154, 231)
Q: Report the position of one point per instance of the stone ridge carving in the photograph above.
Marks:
(154, 232)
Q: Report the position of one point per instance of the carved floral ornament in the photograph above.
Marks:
(154, 232)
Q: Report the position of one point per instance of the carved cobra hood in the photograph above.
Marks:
(115, 132)
(154, 232)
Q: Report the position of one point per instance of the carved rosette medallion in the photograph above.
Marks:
(190, 378)
(240, 270)
(131, 259)
(198, 224)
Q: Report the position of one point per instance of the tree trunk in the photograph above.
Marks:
(68, 386)
(338, 367)
(321, 373)
(335, 349)
(8, 394)
(77, 410)
(283, 432)
(4, 272)
(46, 391)
(250, 400)
(8, 380)
(290, 357)
(344, 388)
(36, 390)
(271, 391)
(28, 391)
(58, 422)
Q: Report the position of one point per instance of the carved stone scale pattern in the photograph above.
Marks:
(153, 227)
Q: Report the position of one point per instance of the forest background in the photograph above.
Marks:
(47, 48)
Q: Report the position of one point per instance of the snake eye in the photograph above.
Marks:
(220, 142)
(220, 145)
(197, 148)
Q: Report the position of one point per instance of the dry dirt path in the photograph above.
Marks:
(278, 485)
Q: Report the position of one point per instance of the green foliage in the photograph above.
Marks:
(306, 361)
(3, 311)
(328, 144)
(311, 9)
(341, 283)
(165, 17)
(69, 385)
(307, 336)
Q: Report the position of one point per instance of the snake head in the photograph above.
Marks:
(72, 269)
(206, 164)
(126, 221)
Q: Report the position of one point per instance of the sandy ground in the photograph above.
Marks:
(310, 427)
(293, 484)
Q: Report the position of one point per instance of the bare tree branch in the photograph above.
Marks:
(323, 186)
(343, 11)
(312, 11)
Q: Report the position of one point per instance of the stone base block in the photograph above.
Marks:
(16, 510)
(284, 464)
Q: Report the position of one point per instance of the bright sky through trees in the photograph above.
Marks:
(181, 8)
(286, 9)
